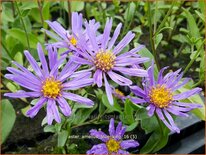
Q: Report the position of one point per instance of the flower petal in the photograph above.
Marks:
(98, 77)
(151, 108)
(78, 98)
(55, 111)
(125, 144)
(120, 130)
(111, 127)
(49, 116)
(115, 35)
(119, 79)
(42, 59)
(187, 94)
(99, 134)
(108, 90)
(100, 149)
(132, 71)
(106, 34)
(23, 94)
(35, 109)
(76, 84)
(64, 106)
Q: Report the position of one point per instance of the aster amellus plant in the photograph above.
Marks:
(49, 85)
(160, 97)
(112, 143)
(106, 59)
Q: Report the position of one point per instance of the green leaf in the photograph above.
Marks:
(158, 39)
(132, 126)
(149, 124)
(19, 58)
(157, 140)
(28, 5)
(25, 109)
(82, 115)
(21, 36)
(62, 138)
(75, 6)
(50, 128)
(8, 118)
(115, 107)
(129, 13)
(127, 116)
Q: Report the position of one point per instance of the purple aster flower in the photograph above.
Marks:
(160, 96)
(112, 144)
(69, 38)
(47, 84)
(106, 59)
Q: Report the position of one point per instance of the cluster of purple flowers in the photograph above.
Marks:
(102, 56)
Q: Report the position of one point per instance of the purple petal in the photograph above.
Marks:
(187, 94)
(160, 76)
(111, 127)
(33, 63)
(35, 109)
(180, 85)
(81, 61)
(137, 100)
(170, 119)
(176, 112)
(76, 84)
(132, 52)
(76, 22)
(160, 115)
(151, 74)
(23, 94)
(50, 116)
(42, 59)
(120, 130)
(138, 91)
(24, 82)
(52, 55)
(119, 79)
(191, 105)
(29, 77)
(92, 36)
(122, 152)
(106, 33)
(64, 106)
(115, 35)
(78, 98)
(108, 90)
(100, 149)
(99, 134)
(129, 61)
(54, 70)
(58, 29)
(151, 109)
(132, 71)
(55, 111)
(124, 42)
(98, 77)
(126, 144)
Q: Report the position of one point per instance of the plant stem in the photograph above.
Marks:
(194, 58)
(151, 37)
(7, 51)
(160, 124)
(42, 19)
(69, 12)
(165, 18)
(198, 83)
(23, 24)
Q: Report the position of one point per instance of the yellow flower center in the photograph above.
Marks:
(104, 60)
(73, 41)
(51, 88)
(113, 145)
(160, 96)
(118, 92)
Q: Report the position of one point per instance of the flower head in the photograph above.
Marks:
(47, 84)
(112, 143)
(105, 59)
(160, 96)
(68, 38)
